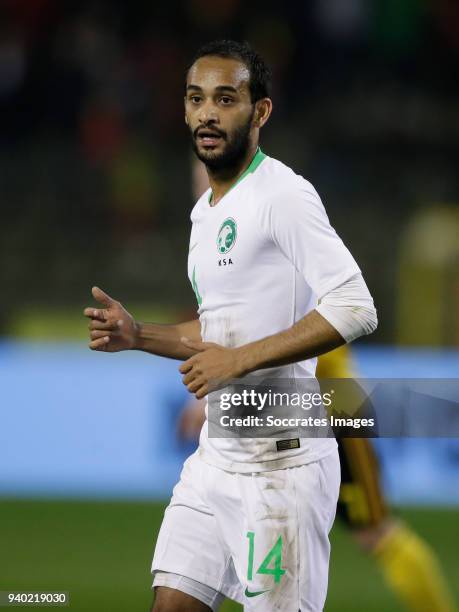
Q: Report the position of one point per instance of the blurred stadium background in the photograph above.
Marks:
(95, 186)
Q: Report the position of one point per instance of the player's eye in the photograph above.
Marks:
(195, 99)
(226, 100)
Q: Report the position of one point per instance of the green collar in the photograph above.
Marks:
(256, 161)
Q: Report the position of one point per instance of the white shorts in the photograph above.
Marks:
(260, 539)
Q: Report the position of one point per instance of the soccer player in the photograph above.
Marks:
(275, 285)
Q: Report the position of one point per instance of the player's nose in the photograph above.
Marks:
(208, 113)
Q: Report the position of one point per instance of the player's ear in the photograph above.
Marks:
(263, 110)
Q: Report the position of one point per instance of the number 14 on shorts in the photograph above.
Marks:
(271, 564)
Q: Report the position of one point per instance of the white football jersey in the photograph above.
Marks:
(259, 260)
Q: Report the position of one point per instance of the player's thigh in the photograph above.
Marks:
(279, 536)
(361, 503)
(317, 494)
(189, 543)
(182, 593)
(173, 600)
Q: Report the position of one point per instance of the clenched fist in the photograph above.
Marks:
(112, 328)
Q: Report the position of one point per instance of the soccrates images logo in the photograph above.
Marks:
(226, 235)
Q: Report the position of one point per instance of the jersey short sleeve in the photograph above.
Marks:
(298, 224)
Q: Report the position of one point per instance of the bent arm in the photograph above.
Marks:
(165, 340)
(309, 337)
(343, 315)
(302, 231)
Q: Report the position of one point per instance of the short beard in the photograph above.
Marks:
(234, 152)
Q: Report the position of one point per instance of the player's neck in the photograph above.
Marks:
(221, 181)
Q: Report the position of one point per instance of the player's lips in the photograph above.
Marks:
(209, 138)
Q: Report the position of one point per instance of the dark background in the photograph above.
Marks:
(95, 162)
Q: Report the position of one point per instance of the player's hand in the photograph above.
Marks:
(211, 367)
(111, 327)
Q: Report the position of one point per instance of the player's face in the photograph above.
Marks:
(219, 110)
